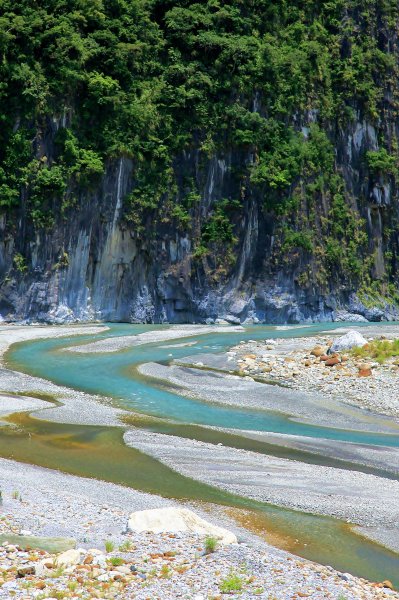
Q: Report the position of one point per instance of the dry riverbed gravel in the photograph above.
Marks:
(293, 362)
(170, 566)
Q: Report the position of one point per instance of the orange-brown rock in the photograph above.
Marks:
(88, 560)
(334, 360)
(364, 370)
(40, 585)
(318, 351)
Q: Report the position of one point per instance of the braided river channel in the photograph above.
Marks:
(100, 452)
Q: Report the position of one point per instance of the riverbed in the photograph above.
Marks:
(105, 370)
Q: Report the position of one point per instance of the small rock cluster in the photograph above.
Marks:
(310, 364)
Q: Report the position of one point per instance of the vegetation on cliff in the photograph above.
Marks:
(273, 82)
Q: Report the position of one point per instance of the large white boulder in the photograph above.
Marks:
(68, 558)
(352, 339)
(174, 520)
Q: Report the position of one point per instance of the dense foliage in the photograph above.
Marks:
(150, 79)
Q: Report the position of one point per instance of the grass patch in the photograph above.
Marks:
(378, 350)
(232, 583)
(165, 572)
(210, 544)
(109, 546)
(116, 561)
(126, 546)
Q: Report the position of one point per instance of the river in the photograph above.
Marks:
(100, 452)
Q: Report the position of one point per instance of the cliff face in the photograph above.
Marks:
(289, 215)
(93, 265)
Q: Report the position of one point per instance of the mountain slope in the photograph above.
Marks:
(182, 161)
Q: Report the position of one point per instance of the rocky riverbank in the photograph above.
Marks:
(167, 566)
(304, 365)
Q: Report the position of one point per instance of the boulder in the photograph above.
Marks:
(232, 320)
(173, 520)
(344, 315)
(68, 558)
(352, 339)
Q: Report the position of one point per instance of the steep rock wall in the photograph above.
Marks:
(92, 265)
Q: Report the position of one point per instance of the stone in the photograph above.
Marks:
(40, 585)
(352, 339)
(331, 362)
(317, 351)
(174, 520)
(388, 584)
(364, 370)
(343, 315)
(124, 570)
(233, 320)
(27, 570)
(68, 558)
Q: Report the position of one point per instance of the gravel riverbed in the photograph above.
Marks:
(42, 502)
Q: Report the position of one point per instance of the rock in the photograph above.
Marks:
(40, 585)
(27, 570)
(343, 315)
(68, 558)
(334, 360)
(318, 351)
(174, 520)
(364, 370)
(124, 570)
(388, 584)
(231, 319)
(352, 339)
